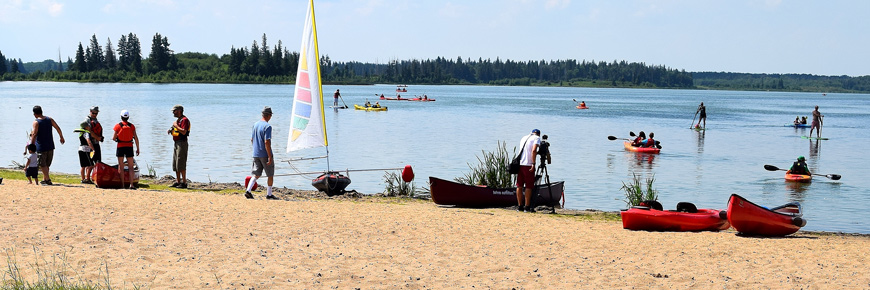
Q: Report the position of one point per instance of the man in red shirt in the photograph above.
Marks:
(179, 131)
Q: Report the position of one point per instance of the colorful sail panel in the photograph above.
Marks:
(308, 125)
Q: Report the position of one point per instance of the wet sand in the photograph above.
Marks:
(194, 239)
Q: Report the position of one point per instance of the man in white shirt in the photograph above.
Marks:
(526, 178)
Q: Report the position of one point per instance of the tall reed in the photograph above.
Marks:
(492, 169)
(635, 192)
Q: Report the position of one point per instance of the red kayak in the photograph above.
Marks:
(332, 183)
(582, 107)
(751, 219)
(651, 150)
(686, 218)
(798, 177)
(106, 176)
(445, 192)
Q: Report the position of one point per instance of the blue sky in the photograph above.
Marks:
(755, 36)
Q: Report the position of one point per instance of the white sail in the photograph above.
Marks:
(307, 124)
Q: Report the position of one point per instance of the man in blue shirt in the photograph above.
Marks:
(261, 139)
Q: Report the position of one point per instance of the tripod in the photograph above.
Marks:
(542, 175)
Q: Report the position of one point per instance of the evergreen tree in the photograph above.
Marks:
(69, 63)
(3, 68)
(80, 65)
(266, 64)
(134, 52)
(111, 61)
(95, 59)
(161, 55)
(13, 65)
(123, 54)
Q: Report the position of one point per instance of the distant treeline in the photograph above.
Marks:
(261, 63)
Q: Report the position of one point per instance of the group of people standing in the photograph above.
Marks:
(90, 134)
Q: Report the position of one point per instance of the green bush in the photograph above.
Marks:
(492, 169)
(635, 192)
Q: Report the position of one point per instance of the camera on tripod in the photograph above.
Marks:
(544, 151)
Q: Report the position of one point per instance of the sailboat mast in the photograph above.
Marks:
(319, 81)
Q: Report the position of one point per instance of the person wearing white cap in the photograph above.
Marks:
(526, 176)
(125, 135)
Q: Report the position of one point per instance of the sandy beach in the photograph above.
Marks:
(196, 239)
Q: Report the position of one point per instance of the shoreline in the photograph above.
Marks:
(198, 239)
(163, 183)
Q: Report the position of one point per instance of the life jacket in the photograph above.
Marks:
(650, 143)
(125, 134)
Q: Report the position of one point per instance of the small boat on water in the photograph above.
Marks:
(751, 219)
(798, 177)
(445, 192)
(106, 176)
(370, 109)
(686, 218)
(797, 125)
(332, 183)
(650, 150)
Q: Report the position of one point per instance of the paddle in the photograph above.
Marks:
(831, 176)
(693, 120)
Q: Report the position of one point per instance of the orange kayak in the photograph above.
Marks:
(651, 150)
(797, 177)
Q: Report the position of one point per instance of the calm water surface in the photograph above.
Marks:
(745, 131)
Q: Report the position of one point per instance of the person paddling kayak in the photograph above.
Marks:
(800, 167)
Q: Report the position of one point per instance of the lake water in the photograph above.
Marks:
(745, 131)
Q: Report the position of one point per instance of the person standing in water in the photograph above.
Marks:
(817, 123)
(702, 110)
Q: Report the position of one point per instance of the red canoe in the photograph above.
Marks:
(445, 192)
(332, 183)
(651, 150)
(106, 176)
(582, 107)
(751, 219)
(686, 218)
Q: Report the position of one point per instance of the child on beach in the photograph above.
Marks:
(30, 168)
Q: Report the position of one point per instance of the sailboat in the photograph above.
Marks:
(308, 124)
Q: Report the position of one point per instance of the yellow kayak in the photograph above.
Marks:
(358, 107)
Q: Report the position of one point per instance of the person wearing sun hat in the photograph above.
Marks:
(125, 136)
(526, 177)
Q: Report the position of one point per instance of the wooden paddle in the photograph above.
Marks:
(831, 176)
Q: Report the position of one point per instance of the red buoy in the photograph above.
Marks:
(407, 173)
(247, 180)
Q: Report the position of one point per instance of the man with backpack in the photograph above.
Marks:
(125, 135)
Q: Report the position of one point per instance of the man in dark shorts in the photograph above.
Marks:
(179, 131)
(44, 140)
(526, 178)
(125, 135)
(261, 139)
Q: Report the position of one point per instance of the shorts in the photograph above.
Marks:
(260, 164)
(98, 156)
(85, 159)
(44, 158)
(179, 156)
(526, 177)
(124, 152)
(32, 172)
(703, 115)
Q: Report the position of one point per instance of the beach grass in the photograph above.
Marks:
(54, 274)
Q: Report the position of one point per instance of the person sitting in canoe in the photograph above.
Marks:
(582, 103)
(377, 105)
(804, 120)
(797, 120)
(649, 142)
(382, 97)
(639, 141)
(398, 97)
(368, 104)
(425, 97)
(800, 167)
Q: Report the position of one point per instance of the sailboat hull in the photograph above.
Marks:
(332, 183)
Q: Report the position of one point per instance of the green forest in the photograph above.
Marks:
(262, 63)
